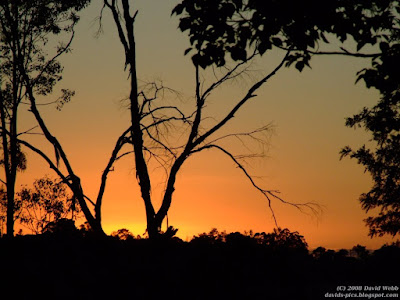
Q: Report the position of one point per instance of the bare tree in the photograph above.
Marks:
(150, 133)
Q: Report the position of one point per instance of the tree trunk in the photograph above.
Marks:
(153, 229)
(95, 224)
(10, 210)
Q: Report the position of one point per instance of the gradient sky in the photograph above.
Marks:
(307, 111)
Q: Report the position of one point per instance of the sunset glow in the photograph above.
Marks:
(306, 112)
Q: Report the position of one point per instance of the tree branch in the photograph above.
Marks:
(121, 33)
(47, 159)
(268, 194)
(228, 75)
(345, 52)
(249, 95)
(114, 156)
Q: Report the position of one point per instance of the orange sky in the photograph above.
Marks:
(307, 109)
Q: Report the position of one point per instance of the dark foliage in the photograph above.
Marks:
(61, 227)
(235, 27)
(20, 158)
(381, 158)
(46, 203)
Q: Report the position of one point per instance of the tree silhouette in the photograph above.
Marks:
(47, 202)
(124, 234)
(383, 122)
(211, 238)
(24, 27)
(38, 72)
(360, 252)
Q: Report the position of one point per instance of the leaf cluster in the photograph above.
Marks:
(220, 27)
(25, 27)
(20, 159)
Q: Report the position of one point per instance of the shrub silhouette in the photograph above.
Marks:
(360, 252)
(279, 239)
(124, 234)
(211, 238)
(63, 226)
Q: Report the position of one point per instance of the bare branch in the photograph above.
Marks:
(120, 142)
(28, 131)
(158, 141)
(162, 163)
(268, 194)
(249, 95)
(229, 75)
(174, 108)
(64, 178)
(100, 20)
(123, 154)
(345, 52)
(250, 134)
(88, 199)
(42, 104)
(114, 9)
(161, 121)
(47, 159)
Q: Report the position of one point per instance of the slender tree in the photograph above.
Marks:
(25, 27)
(16, 46)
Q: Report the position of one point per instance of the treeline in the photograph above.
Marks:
(72, 263)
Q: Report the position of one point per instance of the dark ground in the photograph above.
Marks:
(59, 267)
